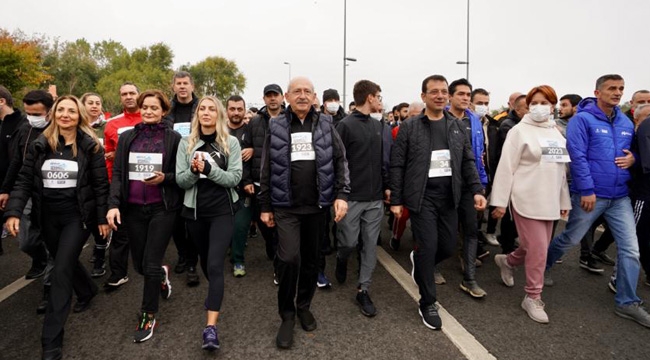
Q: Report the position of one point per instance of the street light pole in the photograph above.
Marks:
(466, 62)
(345, 38)
(288, 63)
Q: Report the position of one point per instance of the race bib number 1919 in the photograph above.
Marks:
(143, 165)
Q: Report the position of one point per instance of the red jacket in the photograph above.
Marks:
(124, 120)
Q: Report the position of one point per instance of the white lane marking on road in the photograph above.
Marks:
(13, 288)
(459, 336)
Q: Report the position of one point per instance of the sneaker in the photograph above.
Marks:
(590, 265)
(478, 262)
(647, 281)
(438, 278)
(471, 287)
(42, 305)
(394, 243)
(341, 271)
(634, 312)
(239, 270)
(276, 282)
(53, 354)
(116, 282)
(252, 232)
(506, 270)
(180, 265)
(307, 320)
(612, 285)
(481, 253)
(535, 309)
(603, 258)
(430, 317)
(548, 280)
(192, 278)
(284, 338)
(323, 282)
(559, 261)
(37, 270)
(99, 269)
(144, 331)
(367, 307)
(5, 232)
(83, 305)
(165, 284)
(210, 338)
(491, 239)
(412, 266)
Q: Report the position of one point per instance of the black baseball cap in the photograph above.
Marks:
(273, 88)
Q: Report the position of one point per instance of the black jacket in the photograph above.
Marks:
(336, 118)
(506, 124)
(411, 157)
(8, 128)
(366, 141)
(19, 146)
(170, 119)
(92, 182)
(493, 145)
(258, 127)
(172, 194)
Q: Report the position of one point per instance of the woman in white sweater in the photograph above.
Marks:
(531, 179)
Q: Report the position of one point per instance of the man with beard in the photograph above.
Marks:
(236, 109)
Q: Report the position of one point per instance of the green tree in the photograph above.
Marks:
(72, 67)
(21, 66)
(217, 76)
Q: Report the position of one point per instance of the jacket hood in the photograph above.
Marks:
(589, 105)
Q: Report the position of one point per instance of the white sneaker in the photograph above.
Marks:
(535, 309)
(412, 267)
(506, 270)
(491, 239)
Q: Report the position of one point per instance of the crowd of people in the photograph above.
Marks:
(316, 179)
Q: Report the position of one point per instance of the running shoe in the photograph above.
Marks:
(165, 284)
(144, 330)
(239, 270)
(210, 338)
(323, 282)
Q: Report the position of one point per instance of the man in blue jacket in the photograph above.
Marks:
(599, 138)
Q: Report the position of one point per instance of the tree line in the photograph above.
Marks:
(36, 61)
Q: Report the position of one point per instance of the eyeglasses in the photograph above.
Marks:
(437, 92)
(379, 97)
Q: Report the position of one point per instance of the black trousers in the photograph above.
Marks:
(64, 235)
(642, 217)
(150, 228)
(297, 258)
(469, 226)
(211, 238)
(434, 231)
(270, 235)
(508, 233)
(118, 251)
(184, 245)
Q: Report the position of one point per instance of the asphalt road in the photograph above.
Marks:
(582, 322)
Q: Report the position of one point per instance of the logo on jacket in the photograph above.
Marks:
(601, 131)
(626, 133)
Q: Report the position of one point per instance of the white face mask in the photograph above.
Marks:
(539, 113)
(38, 122)
(481, 110)
(376, 116)
(332, 107)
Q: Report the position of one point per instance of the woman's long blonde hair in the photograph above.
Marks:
(52, 132)
(222, 127)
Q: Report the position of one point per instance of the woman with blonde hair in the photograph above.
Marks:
(208, 167)
(144, 187)
(65, 175)
(531, 179)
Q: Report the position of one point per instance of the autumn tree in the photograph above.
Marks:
(21, 66)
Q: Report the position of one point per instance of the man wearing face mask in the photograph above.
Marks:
(37, 104)
(367, 147)
(508, 229)
(332, 105)
(10, 120)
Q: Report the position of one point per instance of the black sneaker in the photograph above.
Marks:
(192, 276)
(144, 330)
(394, 244)
(307, 320)
(210, 338)
(165, 284)
(252, 232)
(284, 338)
(590, 265)
(341, 271)
(481, 252)
(367, 307)
(99, 269)
(430, 317)
(603, 258)
(611, 285)
(42, 305)
(180, 265)
(37, 270)
(115, 282)
(53, 354)
(83, 305)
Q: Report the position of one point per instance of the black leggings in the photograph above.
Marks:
(212, 238)
(65, 236)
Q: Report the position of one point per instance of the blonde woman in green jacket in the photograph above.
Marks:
(208, 167)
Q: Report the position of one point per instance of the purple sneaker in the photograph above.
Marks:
(210, 339)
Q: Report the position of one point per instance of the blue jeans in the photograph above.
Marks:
(620, 217)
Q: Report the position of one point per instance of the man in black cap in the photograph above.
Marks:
(258, 127)
(332, 105)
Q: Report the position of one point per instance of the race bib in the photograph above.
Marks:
(183, 128)
(440, 163)
(142, 165)
(59, 174)
(123, 129)
(301, 147)
(554, 150)
(202, 155)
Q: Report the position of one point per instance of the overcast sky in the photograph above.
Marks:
(514, 44)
